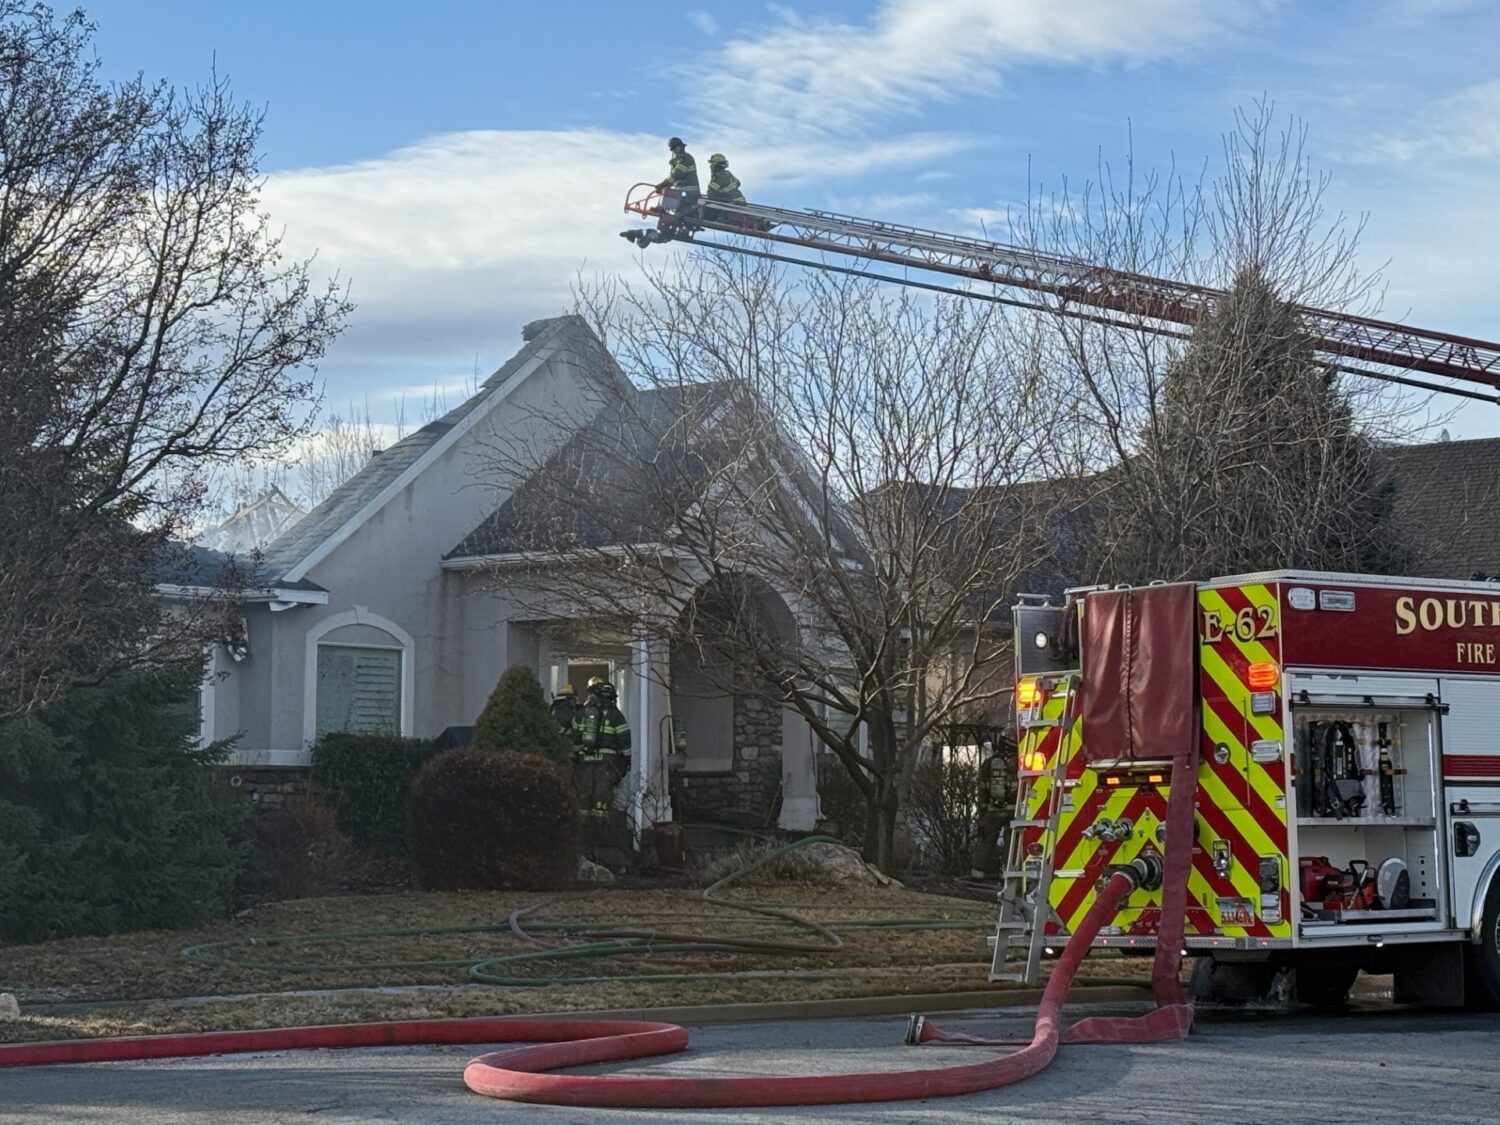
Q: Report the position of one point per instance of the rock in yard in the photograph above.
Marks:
(10, 1011)
(835, 864)
(591, 872)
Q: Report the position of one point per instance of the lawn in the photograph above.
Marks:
(251, 975)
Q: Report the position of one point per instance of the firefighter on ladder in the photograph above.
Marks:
(603, 747)
(680, 188)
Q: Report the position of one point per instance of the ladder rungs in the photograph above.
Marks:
(1028, 824)
(1013, 924)
(1018, 978)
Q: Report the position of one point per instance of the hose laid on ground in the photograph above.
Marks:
(517, 1074)
(606, 940)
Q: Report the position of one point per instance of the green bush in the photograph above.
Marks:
(517, 718)
(368, 778)
(485, 821)
(107, 820)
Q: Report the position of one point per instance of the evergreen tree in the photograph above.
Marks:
(1252, 459)
(106, 821)
(517, 718)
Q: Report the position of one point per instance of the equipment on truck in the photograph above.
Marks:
(1346, 794)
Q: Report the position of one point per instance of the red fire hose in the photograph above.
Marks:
(517, 1074)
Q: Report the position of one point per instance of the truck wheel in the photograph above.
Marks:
(1482, 980)
(1233, 982)
(1325, 985)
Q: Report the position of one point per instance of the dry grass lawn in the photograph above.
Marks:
(141, 983)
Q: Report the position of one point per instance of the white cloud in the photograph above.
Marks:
(703, 22)
(828, 78)
(450, 245)
(1462, 126)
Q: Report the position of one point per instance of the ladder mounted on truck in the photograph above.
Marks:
(1376, 349)
(1027, 880)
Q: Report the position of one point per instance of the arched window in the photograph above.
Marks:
(358, 676)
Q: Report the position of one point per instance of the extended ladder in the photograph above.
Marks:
(1024, 906)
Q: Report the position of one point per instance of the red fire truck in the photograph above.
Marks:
(1340, 735)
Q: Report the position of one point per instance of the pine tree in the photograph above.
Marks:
(106, 823)
(517, 718)
(1252, 459)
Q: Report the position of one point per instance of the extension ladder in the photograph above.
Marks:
(1026, 881)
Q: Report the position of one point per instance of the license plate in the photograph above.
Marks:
(1236, 912)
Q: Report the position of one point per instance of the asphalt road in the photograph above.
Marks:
(1370, 1065)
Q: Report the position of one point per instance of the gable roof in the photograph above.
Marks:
(1447, 505)
(606, 452)
(386, 473)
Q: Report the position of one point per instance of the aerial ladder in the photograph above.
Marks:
(1015, 275)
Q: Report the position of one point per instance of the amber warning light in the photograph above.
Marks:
(1264, 676)
(1029, 694)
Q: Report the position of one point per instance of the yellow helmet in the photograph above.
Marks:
(567, 688)
(597, 681)
(719, 158)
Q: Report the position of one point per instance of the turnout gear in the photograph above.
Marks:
(602, 729)
(724, 186)
(995, 784)
(565, 712)
(682, 169)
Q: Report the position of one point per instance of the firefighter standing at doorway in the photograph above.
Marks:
(603, 746)
(997, 773)
(565, 711)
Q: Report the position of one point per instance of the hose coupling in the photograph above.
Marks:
(1144, 871)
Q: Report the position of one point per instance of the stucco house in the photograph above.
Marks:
(385, 608)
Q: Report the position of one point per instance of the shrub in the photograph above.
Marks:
(943, 810)
(488, 821)
(517, 718)
(368, 779)
(296, 849)
(107, 821)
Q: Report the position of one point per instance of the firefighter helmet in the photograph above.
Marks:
(567, 688)
(675, 142)
(719, 160)
(597, 681)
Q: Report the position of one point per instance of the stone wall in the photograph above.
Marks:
(266, 787)
(747, 794)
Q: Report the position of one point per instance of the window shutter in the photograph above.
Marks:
(359, 690)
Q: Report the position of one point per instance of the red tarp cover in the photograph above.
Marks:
(1139, 673)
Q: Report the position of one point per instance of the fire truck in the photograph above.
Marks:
(1336, 740)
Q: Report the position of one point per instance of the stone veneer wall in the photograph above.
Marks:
(747, 794)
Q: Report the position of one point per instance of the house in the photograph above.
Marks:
(385, 608)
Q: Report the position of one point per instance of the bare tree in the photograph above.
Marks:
(819, 489)
(150, 329)
(1232, 446)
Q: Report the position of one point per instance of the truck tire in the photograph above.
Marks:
(1325, 985)
(1482, 979)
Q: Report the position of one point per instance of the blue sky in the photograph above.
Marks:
(460, 163)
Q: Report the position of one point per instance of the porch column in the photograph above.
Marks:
(650, 799)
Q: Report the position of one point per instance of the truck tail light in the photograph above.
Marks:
(1263, 676)
(1029, 694)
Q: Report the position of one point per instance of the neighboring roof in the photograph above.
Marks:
(256, 525)
(348, 504)
(619, 505)
(1447, 505)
